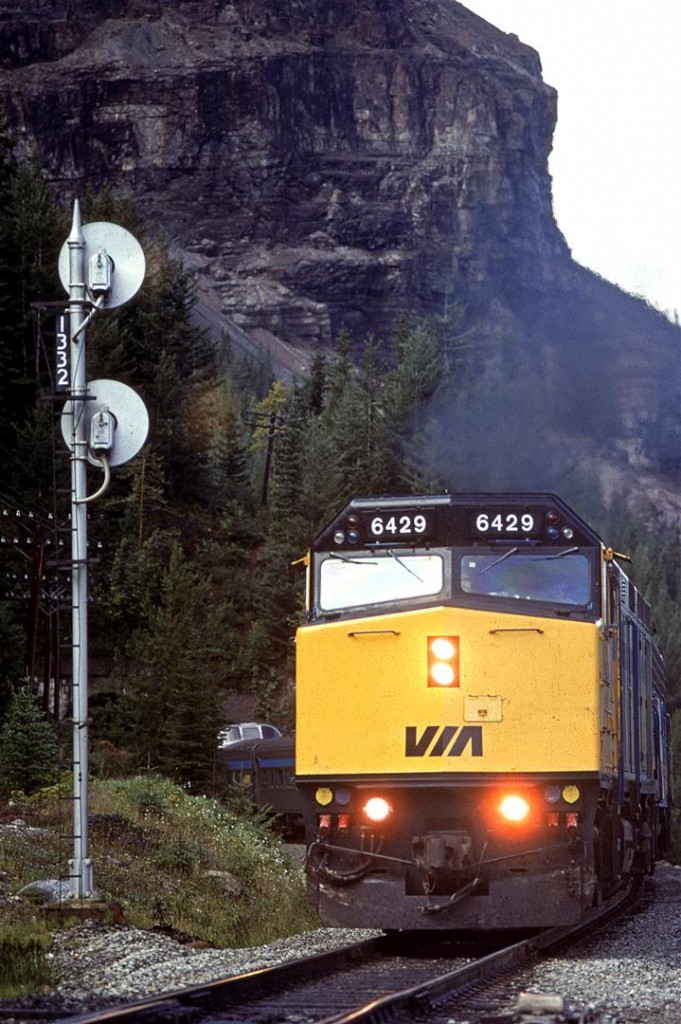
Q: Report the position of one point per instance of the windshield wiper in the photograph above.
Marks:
(507, 554)
(404, 565)
(559, 554)
(351, 561)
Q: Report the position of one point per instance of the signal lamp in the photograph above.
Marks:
(570, 794)
(571, 819)
(443, 661)
(343, 821)
(323, 795)
(324, 821)
(377, 809)
(552, 794)
(514, 808)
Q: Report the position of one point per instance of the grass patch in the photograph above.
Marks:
(24, 965)
(168, 858)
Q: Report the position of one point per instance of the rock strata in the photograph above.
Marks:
(325, 164)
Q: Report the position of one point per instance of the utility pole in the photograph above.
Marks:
(101, 266)
(271, 434)
(274, 427)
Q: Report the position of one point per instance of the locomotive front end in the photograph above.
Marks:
(455, 714)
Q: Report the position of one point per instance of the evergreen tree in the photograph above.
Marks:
(176, 676)
(131, 591)
(419, 370)
(228, 465)
(30, 236)
(12, 649)
(31, 232)
(317, 384)
(365, 459)
(28, 746)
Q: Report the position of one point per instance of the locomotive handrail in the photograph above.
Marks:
(517, 629)
(374, 632)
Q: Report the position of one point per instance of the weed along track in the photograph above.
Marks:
(407, 975)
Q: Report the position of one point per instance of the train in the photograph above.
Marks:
(482, 741)
(265, 769)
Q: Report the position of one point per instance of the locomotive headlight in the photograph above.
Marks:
(443, 648)
(442, 673)
(514, 808)
(443, 661)
(377, 809)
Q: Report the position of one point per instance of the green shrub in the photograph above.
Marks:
(166, 857)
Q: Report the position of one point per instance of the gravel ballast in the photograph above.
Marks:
(634, 970)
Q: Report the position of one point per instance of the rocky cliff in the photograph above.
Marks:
(325, 165)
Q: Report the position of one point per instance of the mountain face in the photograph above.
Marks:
(326, 163)
(323, 165)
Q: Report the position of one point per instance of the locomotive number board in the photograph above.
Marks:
(398, 524)
(499, 522)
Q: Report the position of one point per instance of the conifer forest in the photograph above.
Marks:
(195, 590)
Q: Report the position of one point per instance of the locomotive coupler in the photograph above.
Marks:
(441, 851)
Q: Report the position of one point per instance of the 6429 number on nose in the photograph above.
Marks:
(505, 522)
(401, 524)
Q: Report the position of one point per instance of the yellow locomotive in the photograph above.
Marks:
(481, 734)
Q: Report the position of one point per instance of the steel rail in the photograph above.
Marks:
(207, 999)
(211, 994)
(420, 998)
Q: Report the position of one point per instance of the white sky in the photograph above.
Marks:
(616, 65)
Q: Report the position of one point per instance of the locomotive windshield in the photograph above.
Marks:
(562, 576)
(349, 580)
(472, 551)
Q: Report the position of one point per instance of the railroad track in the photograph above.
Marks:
(366, 983)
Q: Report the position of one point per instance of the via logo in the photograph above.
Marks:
(441, 741)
